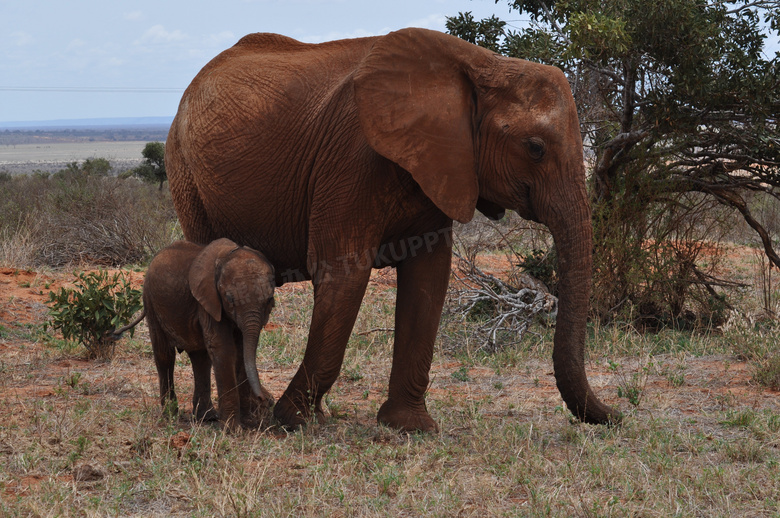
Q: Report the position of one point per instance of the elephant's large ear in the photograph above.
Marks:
(416, 104)
(203, 276)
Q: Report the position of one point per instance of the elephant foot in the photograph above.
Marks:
(256, 411)
(295, 414)
(207, 414)
(405, 418)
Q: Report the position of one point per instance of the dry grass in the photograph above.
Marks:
(71, 219)
(87, 439)
(700, 438)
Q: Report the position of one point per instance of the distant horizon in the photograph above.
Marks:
(72, 60)
(91, 122)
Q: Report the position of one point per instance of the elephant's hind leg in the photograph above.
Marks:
(186, 198)
(164, 360)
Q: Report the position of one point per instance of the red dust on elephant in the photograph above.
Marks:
(335, 158)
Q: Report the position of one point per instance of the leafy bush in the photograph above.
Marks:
(672, 139)
(90, 167)
(656, 265)
(542, 265)
(91, 311)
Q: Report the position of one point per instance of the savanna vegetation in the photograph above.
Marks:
(679, 105)
(682, 336)
(82, 214)
(89, 438)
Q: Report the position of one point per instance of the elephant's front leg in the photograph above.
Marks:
(202, 407)
(337, 298)
(422, 286)
(222, 351)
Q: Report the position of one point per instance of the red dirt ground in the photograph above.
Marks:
(709, 382)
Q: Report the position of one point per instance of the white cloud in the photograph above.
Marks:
(76, 43)
(432, 21)
(159, 34)
(133, 16)
(21, 38)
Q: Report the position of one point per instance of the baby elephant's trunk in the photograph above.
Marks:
(250, 362)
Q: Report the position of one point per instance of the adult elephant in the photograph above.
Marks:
(338, 157)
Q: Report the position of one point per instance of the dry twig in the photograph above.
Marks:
(508, 310)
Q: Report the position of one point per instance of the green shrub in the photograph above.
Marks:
(542, 265)
(656, 258)
(94, 166)
(153, 168)
(90, 312)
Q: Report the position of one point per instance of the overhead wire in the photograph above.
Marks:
(90, 89)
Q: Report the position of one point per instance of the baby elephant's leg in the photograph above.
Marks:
(202, 406)
(164, 360)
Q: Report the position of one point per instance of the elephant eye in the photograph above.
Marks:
(536, 148)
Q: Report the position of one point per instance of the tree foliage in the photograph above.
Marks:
(90, 167)
(153, 168)
(679, 108)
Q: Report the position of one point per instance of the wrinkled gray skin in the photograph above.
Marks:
(211, 302)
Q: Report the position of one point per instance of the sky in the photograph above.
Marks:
(80, 59)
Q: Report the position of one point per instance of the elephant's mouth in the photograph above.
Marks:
(489, 209)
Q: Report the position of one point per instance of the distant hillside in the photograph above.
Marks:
(86, 124)
(147, 129)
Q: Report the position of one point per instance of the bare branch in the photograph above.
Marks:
(510, 309)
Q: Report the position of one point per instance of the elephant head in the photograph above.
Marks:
(237, 282)
(478, 130)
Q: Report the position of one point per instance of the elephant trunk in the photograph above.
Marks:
(250, 361)
(570, 224)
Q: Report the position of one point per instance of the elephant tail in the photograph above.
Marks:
(117, 333)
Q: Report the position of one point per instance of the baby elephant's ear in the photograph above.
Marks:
(203, 276)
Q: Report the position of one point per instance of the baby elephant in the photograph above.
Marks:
(212, 302)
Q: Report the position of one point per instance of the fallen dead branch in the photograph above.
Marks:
(505, 310)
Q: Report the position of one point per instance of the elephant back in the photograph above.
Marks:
(263, 40)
